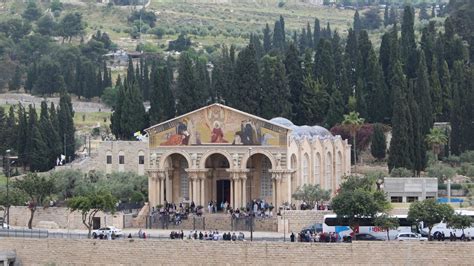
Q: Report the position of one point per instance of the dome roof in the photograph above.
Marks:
(302, 131)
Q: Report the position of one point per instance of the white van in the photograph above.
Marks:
(443, 228)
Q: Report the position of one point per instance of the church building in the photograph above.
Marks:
(222, 154)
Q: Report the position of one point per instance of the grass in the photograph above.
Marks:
(92, 119)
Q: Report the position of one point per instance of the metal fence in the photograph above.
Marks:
(38, 233)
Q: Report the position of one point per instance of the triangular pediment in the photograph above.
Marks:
(217, 124)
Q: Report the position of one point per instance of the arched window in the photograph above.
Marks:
(294, 176)
(121, 161)
(265, 178)
(317, 169)
(328, 168)
(305, 169)
(338, 169)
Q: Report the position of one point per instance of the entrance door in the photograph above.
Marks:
(223, 192)
(96, 223)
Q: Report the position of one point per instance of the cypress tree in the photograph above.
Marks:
(294, 76)
(408, 44)
(37, 147)
(436, 100)
(12, 133)
(457, 108)
(278, 41)
(303, 40)
(446, 93)
(117, 110)
(133, 116)
(384, 55)
(335, 112)
(22, 135)
(15, 82)
(169, 100)
(313, 102)
(357, 23)
(393, 15)
(186, 86)
(146, 82)
(399, 155)
(247, 95)
(378, 98)
(361, 95)
(130, 70)
(386, 17)
(418, 147)
(156, 112)
(31, 76)
(378, 145)
(203, 93)
(50, 136)
(267, 39)
(66, 125)
(324, 69)
(423, 96)
(317, 33)
(283, 30)
(3, 131)
(275, 91)
(309, 36)
(351, 56)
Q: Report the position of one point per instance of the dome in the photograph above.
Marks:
(282, 121)
(302, 131)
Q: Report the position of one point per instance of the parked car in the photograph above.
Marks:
(314, 228)
(367, 237)
(410, 237)
(105, 230)
(6, 226)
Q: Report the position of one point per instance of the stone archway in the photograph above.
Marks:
(259, 183)
(217, 183)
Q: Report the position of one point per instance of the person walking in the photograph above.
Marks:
(292, 237)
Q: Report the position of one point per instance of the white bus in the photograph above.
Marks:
(340, 226)
(443, 227)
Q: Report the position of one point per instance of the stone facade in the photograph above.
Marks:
(294, 221)
(61, 217)
(222, 154)
(167, 252)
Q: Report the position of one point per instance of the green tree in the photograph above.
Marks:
(247, 94)
(275, 90)
(358, 198)
(38, 188)
(294, 76)
(89, 205)
(267, 39)
(399, 154)
(71, 25)
(387, 223)
(324, 69)
(32, 12)
(66, 126)
(50, 136)
(132, 115)
(379, 143)
(436, 138)
(46, 25)
(49, 79)
(311, 194)
(353, 123)
(317, 33)
(459, 221)
(446, 92)
(15, 82)
(457, 121)
(357, 24)
(423, 95)
(313, 102)
(436, 100)
(335, 112)
(186, 86)
(407, 42)
(430, 213)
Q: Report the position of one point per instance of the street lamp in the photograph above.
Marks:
(8, 184)
(250, 192)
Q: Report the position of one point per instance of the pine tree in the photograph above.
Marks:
(399, 155)
(267, 39)
(66, 126)
(378, 145)
(335, 113)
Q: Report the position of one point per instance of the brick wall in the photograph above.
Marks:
(158, 252)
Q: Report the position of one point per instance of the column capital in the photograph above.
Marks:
(237, 174)
(196, 173)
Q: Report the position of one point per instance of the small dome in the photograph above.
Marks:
(282, 121)
(302, 131)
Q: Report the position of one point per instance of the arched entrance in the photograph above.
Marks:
(218, 183)
(176, 179)
(259, 184)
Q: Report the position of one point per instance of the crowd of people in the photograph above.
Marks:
(321, 237)
(452, 236)
(211, 235)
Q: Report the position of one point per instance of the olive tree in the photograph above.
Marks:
(459, 221)
(311, 194)
(387, 223)
(89, 205)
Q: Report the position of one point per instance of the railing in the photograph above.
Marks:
(38, 233)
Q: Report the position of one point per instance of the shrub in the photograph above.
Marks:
(453, 160)
(467, 169)
(401, 172)
(467, 157)
(441, 172)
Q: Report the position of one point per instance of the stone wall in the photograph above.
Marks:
(295, 220)
(61, 216)
(159, 252)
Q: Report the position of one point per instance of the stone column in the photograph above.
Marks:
(232, 201)
(169, 186)
(288, 180)
(203, 189)
(190, 187)
(238, 191)
(162, 189)
(274, 190)
(244, 189)
(195, 190)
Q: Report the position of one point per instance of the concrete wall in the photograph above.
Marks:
(62, 217)
(404, 187)
(192, 252)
